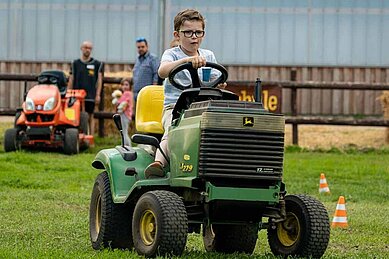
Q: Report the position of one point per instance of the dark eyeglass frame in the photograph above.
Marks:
(189, 34)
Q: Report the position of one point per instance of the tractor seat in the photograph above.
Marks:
(55, 77)
(149, 106)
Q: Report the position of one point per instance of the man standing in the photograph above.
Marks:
(146, 67)
(87, 73)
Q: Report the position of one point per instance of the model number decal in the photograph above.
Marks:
(186, 167)
(265, 170)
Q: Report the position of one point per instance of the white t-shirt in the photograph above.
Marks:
(183, 78)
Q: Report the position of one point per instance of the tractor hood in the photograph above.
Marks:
(39, 94)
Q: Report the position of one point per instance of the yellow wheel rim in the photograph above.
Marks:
(148, 227)
(288, 231)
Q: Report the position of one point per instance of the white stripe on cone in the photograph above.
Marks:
(340, 219)
(325, 189)
(323, 181)
(340, 207)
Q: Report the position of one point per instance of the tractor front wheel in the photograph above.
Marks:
(11, 142)
(304, 233)
(109, 223)
(230, 238)
(71, 144)
(160, 224)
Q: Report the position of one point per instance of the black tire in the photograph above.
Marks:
(84, 123)
(160, 224)
(304, 233)
(71, 144)
(230, 238)
(109, 223)
(11, 142)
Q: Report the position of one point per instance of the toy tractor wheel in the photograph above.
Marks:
(160, 224)
(230, 238)
(304, 233)
(84, 124)
(11, 142)
(109, 223)
(71, 144)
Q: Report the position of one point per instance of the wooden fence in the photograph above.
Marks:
(309, 101)
(295, 119)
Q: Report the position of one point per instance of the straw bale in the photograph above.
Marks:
(384, 98)
(109, 126)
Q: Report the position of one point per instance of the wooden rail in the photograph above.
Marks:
(294, 119)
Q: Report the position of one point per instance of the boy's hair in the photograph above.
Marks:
(187, 15)
(127, 79)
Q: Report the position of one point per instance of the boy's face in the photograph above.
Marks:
(191, 44)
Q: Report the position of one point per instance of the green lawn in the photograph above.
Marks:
(44, 200)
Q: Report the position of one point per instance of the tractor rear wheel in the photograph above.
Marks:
(11, 142)
(160, 224)
(304, 233)
(71, 144)
(230, 238)
(109, 223)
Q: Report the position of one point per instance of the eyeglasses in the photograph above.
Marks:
(189, 34)
(141, 39)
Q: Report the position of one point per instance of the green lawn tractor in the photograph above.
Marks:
(224, 180)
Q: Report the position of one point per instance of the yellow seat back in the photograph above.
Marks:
(149, 106)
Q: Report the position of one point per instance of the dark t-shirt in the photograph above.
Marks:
(85, 76)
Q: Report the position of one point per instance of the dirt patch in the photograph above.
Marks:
(325, 137)
(7, 118)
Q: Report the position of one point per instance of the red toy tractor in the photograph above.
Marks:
(51, 117)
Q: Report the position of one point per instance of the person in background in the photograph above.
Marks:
(87, 73)
(189, 30)
(174, 43)
(125, 107)
(145, 70)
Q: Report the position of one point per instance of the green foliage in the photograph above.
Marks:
(44, 202)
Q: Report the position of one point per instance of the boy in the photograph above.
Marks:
(189, 28)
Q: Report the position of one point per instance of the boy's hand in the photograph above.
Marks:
(197, 61)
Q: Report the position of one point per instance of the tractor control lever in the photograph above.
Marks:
(118, 123)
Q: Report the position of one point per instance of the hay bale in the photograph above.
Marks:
(109, 125)
(385, 107)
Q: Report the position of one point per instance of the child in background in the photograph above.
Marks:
(125, 107)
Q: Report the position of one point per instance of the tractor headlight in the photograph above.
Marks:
(49, 104)
(30, 106)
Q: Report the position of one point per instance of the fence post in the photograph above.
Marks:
(295, 133)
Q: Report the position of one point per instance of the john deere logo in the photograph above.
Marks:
(248, 121)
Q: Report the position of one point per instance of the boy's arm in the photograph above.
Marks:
(167, 66)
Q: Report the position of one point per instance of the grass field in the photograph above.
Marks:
(44, 201)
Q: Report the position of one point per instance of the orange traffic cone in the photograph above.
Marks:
(323, 185)
(340, 216)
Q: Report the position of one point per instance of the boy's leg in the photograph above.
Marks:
(156, 168)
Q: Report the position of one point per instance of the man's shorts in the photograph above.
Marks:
(89, 107)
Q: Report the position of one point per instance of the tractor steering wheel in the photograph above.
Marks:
(196, 82)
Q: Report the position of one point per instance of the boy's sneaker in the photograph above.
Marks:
(154, 169)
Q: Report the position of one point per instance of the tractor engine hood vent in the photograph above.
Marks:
(237, 146)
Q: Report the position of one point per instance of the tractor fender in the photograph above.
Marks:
(122, 183)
